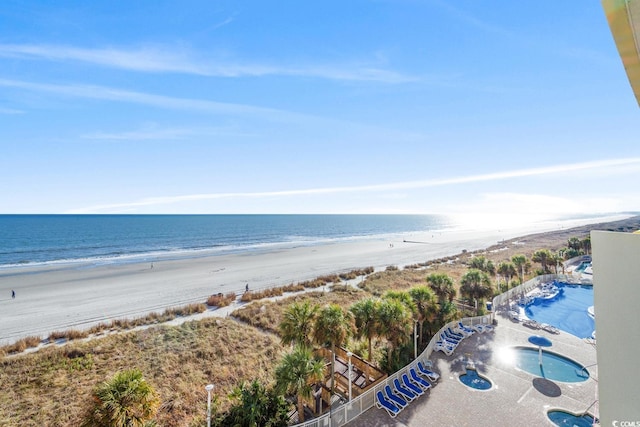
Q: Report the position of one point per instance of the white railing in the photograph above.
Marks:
(349, 411)
(513, 294)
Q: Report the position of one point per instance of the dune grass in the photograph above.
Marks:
(53, 386)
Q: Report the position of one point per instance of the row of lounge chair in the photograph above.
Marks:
(544, 326)
(408, 387)
(450, 338)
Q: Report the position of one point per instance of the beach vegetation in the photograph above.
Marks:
(333, 326)
(443, 286)
(424, 300)
(480, 262)
(367, 321)
(221, 300)
(507, 270)
(255, 405)
(296, 375)
(520, 262)
(395, 323)
(176, 359)
(475, 285)
(126, 400)
(543, 257)
(296, 326)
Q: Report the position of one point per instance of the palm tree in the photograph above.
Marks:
(297, 323)
(297, 373)
(519, 261)
(257, 406)
(126, 400)
(395, 323)
(543, 256)
(475, 284)
(424, 300)
(507, 270)
(365, 313)
(442, 286)
(332, 327)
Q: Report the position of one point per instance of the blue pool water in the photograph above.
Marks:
(554, 367)
(565, 419)
(474, 380)
(567, 311)
(583, 266)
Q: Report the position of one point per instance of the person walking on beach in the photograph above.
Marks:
(246, 288)
(13, 294)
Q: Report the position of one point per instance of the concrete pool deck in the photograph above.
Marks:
(517, 398)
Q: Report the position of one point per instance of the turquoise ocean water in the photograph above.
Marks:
(27, 240)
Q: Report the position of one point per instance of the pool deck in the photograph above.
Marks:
(517, 398)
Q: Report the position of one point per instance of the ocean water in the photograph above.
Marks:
(28, 240)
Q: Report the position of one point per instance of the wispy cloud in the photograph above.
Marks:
(154, 133)
(10, 111)
(177, 60)
(159, 101)
(549, 170)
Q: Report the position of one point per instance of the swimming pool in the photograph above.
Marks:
(567, 311)
(563, 418)
(554, 367)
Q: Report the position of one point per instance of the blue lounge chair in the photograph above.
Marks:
(383, 403)
(465, 330)
(404, 391)
(394, 398)
(433, 376)
(445, 347)
(414, 388)
(419, 380)
(446, 338)
(455, 334)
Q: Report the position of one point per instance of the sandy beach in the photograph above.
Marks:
(52, 298)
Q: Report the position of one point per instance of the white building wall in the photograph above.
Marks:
(616, 278)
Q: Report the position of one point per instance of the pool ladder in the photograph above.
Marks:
(581, 371)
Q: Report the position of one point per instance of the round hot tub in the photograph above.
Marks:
(474, 380)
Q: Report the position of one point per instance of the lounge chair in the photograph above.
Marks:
(394, 398)
(531, 324)
(445, 347)
(451, 339)
(383, 403)
(455, 334)
(404, 391)
(465, 330)
(410, 385)
(433, 376)
(419, 380)
(549, 328)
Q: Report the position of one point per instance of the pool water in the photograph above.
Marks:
(583, 266)
(565, 419)
(474, 380)
(554, 367)
(567, 311)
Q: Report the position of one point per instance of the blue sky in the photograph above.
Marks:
(467, 107)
